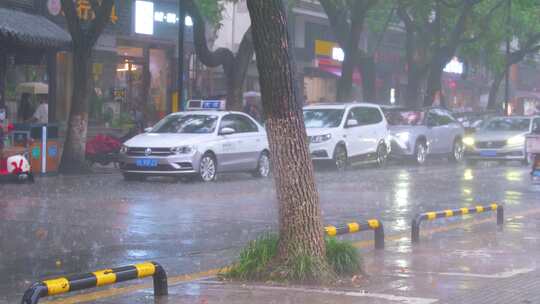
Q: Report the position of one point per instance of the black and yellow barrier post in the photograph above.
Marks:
(373, 224)
(430, 216)
(96, 279)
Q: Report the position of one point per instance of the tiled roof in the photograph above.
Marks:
(31, 30)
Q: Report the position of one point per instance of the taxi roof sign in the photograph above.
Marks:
(205, 104)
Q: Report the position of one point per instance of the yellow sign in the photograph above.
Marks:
(97, 68)
(86, 13)
(175, 106)
(324, 48)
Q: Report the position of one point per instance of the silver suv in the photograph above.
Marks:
(418, 133)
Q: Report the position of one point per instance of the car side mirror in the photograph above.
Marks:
(227, 131)
(147, 130)
(352, 123)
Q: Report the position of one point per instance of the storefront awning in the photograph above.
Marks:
(336, 71)
(19, 28)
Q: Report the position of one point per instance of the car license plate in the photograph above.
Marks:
(488, 153)
(146, 163)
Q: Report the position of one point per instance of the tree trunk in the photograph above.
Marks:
(494, 91)
(369, 76)
(238, 74)
(344, 90)
(73, 156)
(352, 55)
(434, 86)
(415, 78)
(300, 227)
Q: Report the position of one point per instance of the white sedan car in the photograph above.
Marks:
(347, 133)
(200, 143)
(501, 138)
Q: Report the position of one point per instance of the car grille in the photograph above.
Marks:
(153, 152)
(490, 144)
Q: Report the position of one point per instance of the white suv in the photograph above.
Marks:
(347, 133)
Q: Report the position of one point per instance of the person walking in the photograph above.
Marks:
(42, 112)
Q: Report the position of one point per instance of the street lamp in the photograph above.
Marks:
(507, 74)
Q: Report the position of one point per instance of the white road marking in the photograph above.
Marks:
(500, 275)
(360, 294)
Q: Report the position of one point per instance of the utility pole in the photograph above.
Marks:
(180, 72)
(507, 74)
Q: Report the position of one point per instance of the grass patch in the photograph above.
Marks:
(343, 257)
(254, 259)
(256, 263)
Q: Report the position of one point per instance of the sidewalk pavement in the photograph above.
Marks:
(473, 263)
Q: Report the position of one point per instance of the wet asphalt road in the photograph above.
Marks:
(72, 224)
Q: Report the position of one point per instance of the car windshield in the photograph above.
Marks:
(186, 123)
(323, 118)
(404, 117)
(507, 124)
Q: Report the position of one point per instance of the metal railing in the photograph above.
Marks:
(430, 216)
(96, 279)
(354, 227)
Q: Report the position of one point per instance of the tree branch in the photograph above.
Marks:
(103, 15)
(484, 25)
(73, 22)
(221, 56)
(244, 55)
(337, 19)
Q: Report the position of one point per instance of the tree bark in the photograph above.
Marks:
(415, 79)
(73, 157)
(434, 85)
(344, 90)
(300, 226)
(369, 77)
(242, 59)
(494, 91)
(83, 39)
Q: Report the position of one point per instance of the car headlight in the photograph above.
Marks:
(516, 140)
(468, 141)
(124, 149)
(403, 136)
(320, 138)
(183, 150)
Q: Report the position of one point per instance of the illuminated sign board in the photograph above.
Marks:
(144, 17)
(454, 66)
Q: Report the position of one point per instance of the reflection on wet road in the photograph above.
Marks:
(76, 224)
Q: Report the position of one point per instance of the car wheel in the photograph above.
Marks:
(263, 166)
(420, 153)
(208, 168)
(130, 177)
(382, 155)
(341, 159)
(458, 151)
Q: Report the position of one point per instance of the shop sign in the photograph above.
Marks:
(83, 7)
(119, 94)
(157, 18)
(328, 53)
